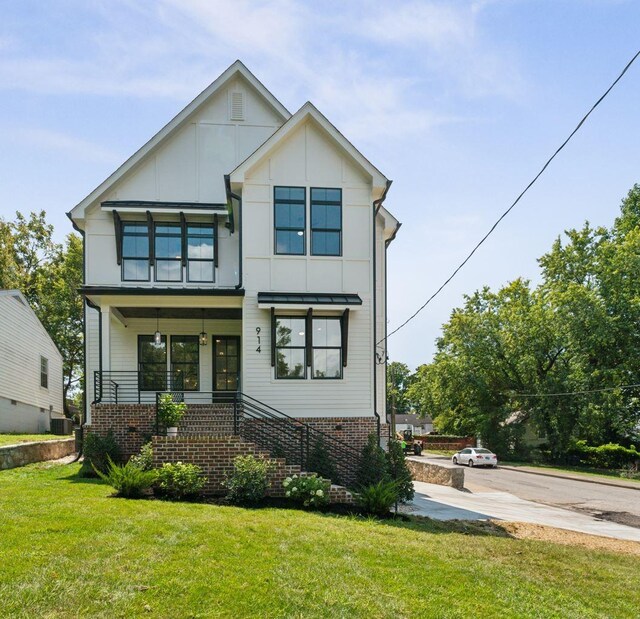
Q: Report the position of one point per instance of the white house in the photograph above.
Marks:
(30, 369)
(241, 250)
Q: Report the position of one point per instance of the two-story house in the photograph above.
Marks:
(242, 250)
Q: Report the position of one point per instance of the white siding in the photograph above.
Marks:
(23, 340)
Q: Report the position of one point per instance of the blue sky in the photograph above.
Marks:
(459, 103)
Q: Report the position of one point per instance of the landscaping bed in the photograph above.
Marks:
(71, 550)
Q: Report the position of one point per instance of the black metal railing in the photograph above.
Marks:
(131, 387)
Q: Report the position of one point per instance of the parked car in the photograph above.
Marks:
(475, 456)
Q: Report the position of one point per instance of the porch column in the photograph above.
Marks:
(105, 333)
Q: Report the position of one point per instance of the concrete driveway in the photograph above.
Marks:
(445, 503)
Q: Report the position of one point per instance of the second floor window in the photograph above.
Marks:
(44, 372)
(200, 252)
(168, 253)
(326, 222)
(135, 252)
(290, 220)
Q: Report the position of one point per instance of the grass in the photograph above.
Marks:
(578, 470)
(439, 452)
(12, 439)
(70, 550)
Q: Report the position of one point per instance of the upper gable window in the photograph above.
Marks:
(290, 220)
(168, 252)
(326, 222)
(135, 252)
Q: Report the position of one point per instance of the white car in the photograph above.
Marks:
(475, 456)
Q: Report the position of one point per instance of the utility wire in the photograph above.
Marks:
(568, 393)
(495, 225)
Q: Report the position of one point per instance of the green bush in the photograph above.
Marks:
(129, 480)
(321, 462)
(144, 460)
(98, 451)
(249, 481)
(180, 481)
(310, 490)
(377, 499)
(398, 472)
(170, 413)
(372, 467)
(609, 456)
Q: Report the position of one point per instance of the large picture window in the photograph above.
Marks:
(326, 222)
(168, 252)
(327, 348)
(291, 358)
(290, 220)
(152, 363)
(185, 362)
(135, 252)
(200, 252)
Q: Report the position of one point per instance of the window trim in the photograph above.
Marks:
(312, 229)
(276, 347)
(339, 320)
(124, 258)
(44, 375)
(156, 235)
(276, 228)
(171, 363)
(212, 260)
(141, 363)
(213, 366)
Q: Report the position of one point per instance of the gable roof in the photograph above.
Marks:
(18, 296)
(306, 112)
(237, 68)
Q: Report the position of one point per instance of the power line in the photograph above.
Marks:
(567, 393)
(495, 225)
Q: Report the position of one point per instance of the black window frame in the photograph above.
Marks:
(44, 372)
(172, 364)
(216, 340)
(141, 364)
(277, 228)
(124, 259)
(337, 319)
(313, 202)
(303, 347)
(159, 235)
(212, 260)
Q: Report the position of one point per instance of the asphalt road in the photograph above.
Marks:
(620, 505)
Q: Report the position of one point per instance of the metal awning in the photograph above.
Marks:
(309, 299)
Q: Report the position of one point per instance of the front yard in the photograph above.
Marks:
(69, 550)
(12, 439)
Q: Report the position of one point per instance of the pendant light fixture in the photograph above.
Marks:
(157, 336)
(203, 334)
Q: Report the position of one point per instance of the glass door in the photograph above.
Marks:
(226, 363)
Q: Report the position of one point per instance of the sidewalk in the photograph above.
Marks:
(444, 503)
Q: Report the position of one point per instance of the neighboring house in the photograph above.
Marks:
(30, 369)
(531, 435)
(241, 250)
(418, 425)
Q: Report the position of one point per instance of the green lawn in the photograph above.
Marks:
(577, 470)
(67, 549)
(11, 439)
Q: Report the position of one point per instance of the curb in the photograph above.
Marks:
(588, 480)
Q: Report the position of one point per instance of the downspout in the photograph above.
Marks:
(376, 207)
(231, 195)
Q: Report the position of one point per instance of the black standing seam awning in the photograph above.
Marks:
(308, 298)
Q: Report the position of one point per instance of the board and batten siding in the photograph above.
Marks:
(308, 158)
(23, 340)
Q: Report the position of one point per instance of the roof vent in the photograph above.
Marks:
(236, 105)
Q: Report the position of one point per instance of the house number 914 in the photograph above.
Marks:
(259, 349)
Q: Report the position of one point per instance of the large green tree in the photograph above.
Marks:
(399, 379)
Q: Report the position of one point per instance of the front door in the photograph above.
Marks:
(226, 363)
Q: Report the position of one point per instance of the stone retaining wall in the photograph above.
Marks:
(12, 456)
(442, 474)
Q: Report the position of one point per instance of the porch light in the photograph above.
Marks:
(203, 339)
(157, 336)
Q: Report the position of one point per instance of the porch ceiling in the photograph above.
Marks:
(214, 313)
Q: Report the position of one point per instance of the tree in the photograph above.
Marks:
(399, 379)
(398, 471)
(372, 467)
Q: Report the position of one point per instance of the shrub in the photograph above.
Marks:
(144, 460)
(609, 456)
(249, 481)
(372, 467)
(321, 462)
(129, 480)
(98, 451)
(180, 481)
(310, 490)
(398, 471)
(170, 413)
(377, 499)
